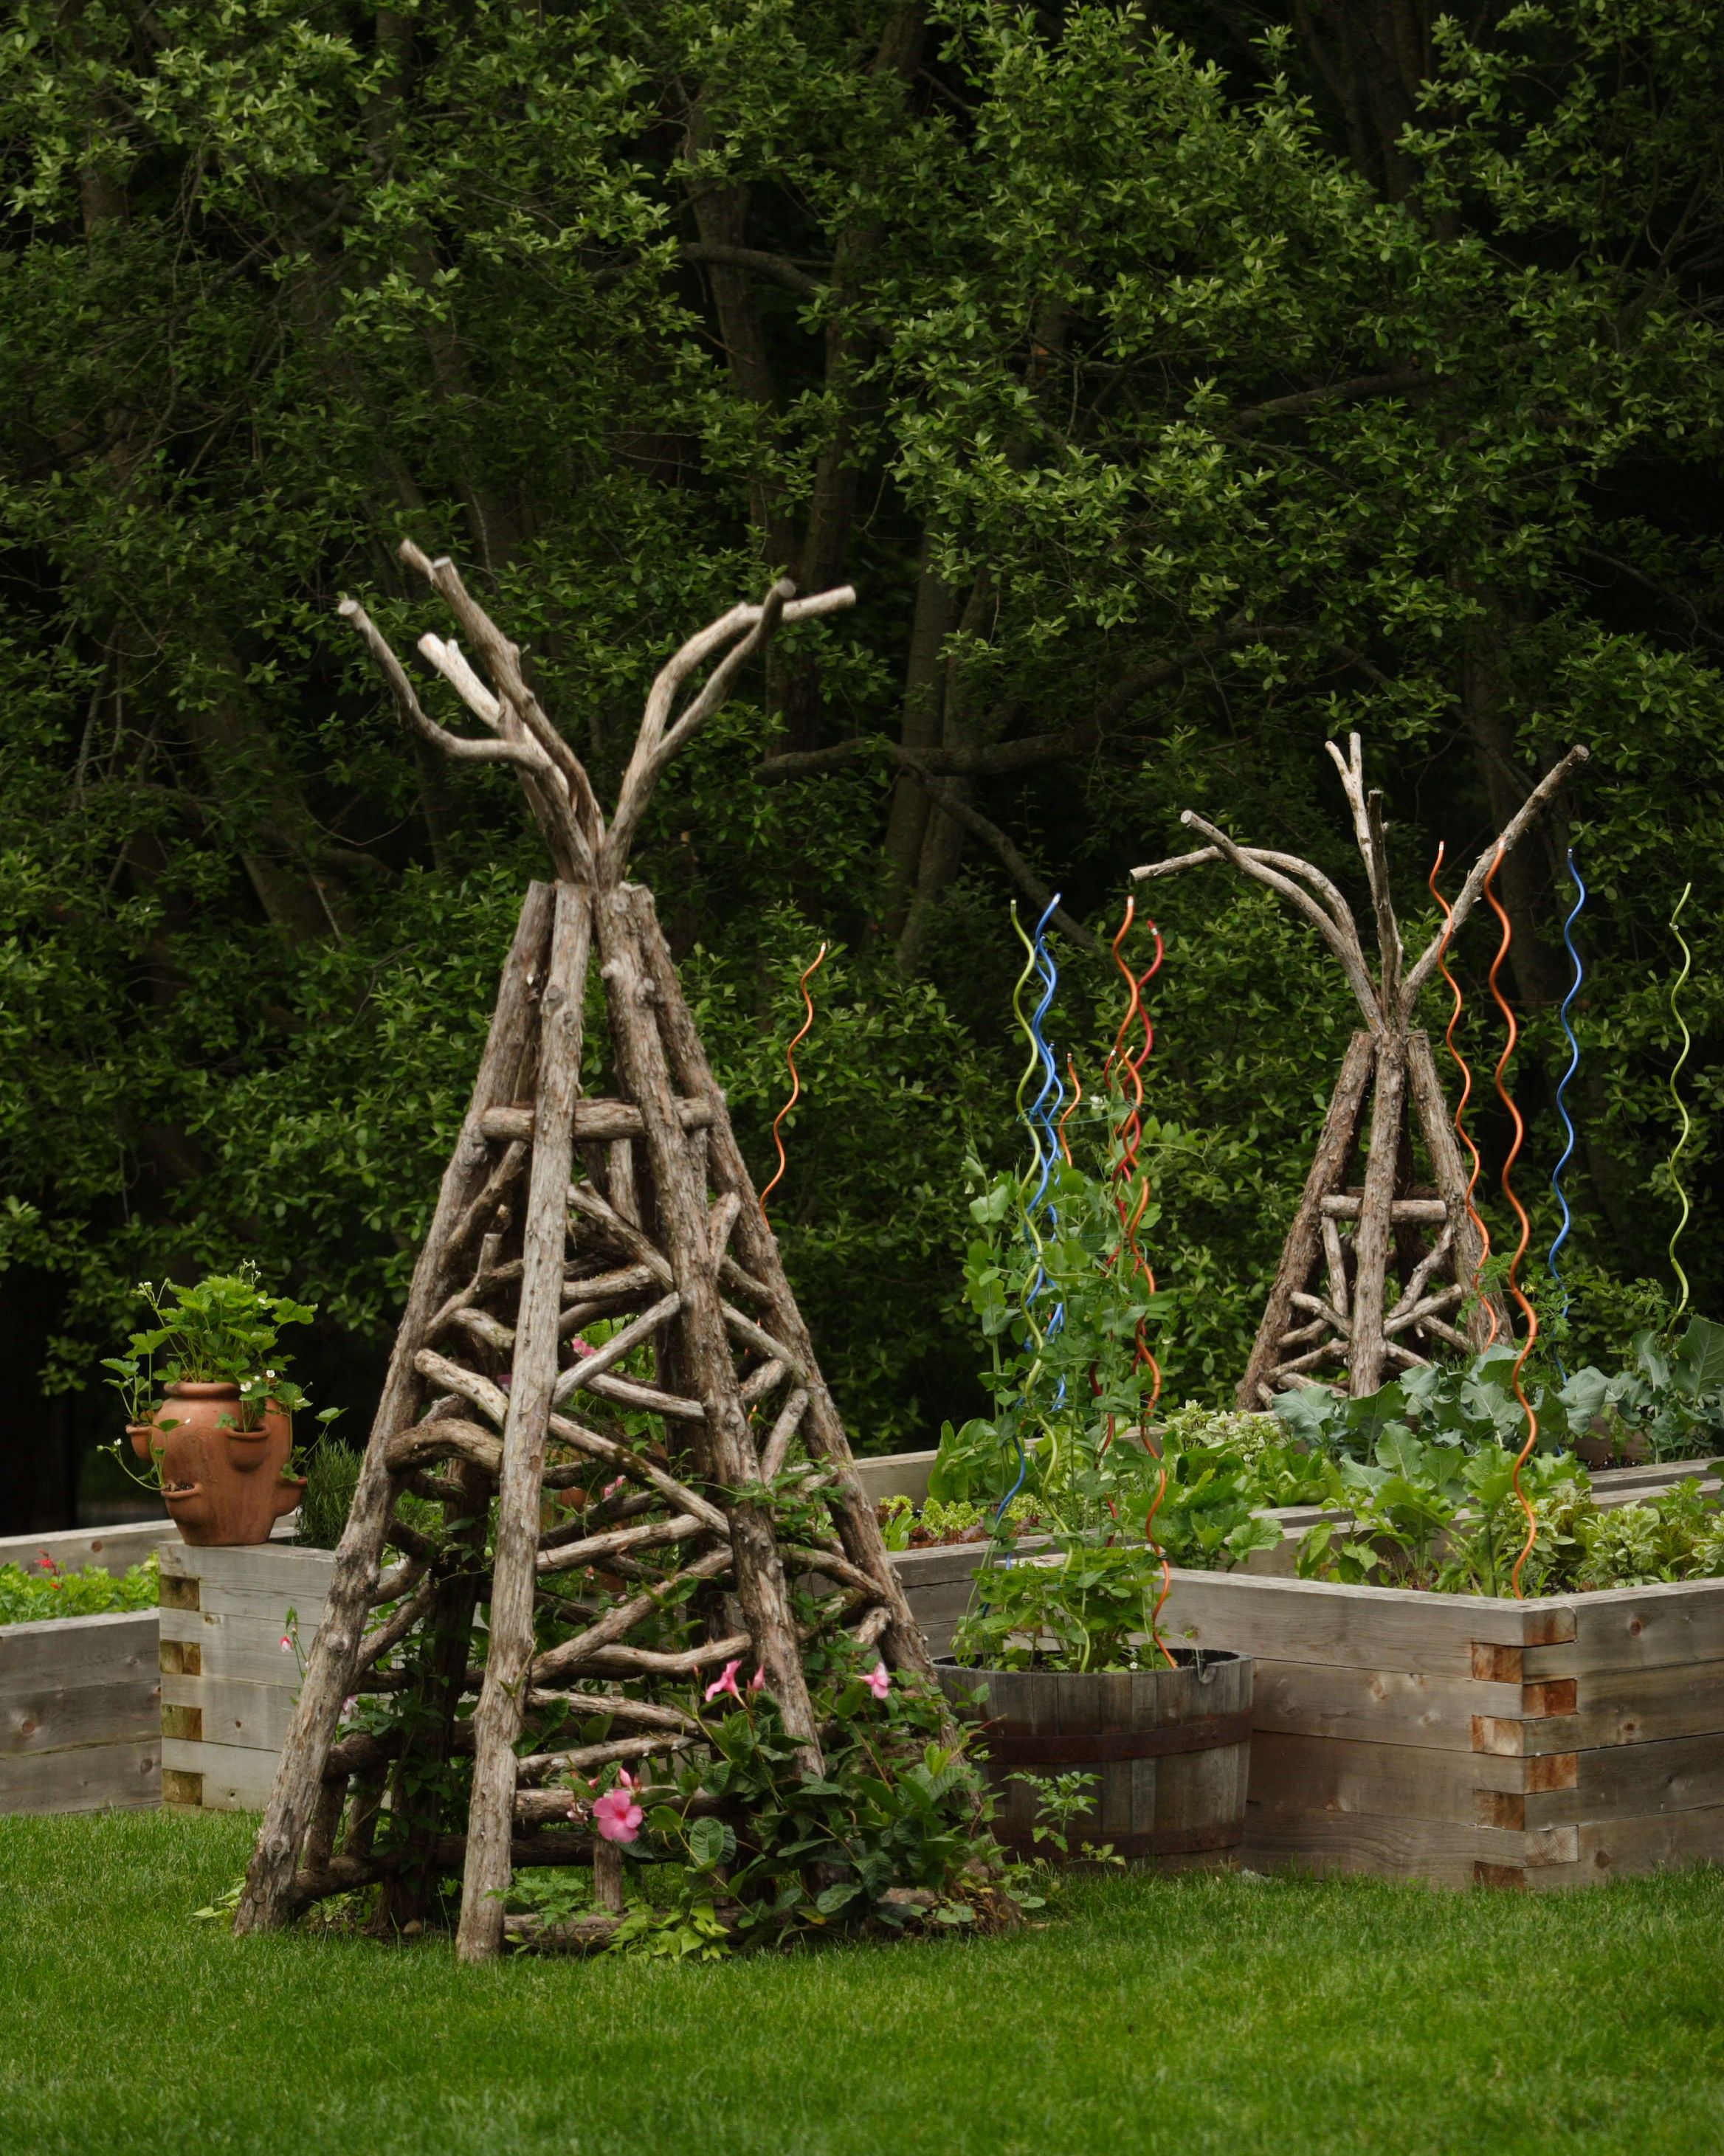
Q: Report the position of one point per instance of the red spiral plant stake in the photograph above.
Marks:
(1526, 1310)
(820, 959)
(1461, 1065)
(1128, 1136)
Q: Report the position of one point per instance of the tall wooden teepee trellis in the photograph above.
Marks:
(557, 1211)
(1331, 1308)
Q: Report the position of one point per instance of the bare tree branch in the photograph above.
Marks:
(1510, 837)
(952, 804)
(661, 737)
(778, 267)
(526, 753)
(503, 658)
(1344, 942)
(1398, 380)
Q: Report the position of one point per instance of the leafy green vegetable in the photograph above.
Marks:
(29, 1595)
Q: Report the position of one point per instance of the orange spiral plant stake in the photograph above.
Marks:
(809, 972)
(1127, 1135)
(1065, 1143)
(1461, 1065)
(1519, 1211)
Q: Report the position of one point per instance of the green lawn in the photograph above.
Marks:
(1232, 2015)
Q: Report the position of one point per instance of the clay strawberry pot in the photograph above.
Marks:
(221, 1485)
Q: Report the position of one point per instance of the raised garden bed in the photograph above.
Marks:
(1545, 1744)
(79, 1697)
(228, 1684)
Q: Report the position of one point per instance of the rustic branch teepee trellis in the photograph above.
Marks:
(1330, 1303)
(557, 1211)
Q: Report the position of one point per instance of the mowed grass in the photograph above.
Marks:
(1227, 2015)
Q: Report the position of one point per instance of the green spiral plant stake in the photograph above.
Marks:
(1682, 1108)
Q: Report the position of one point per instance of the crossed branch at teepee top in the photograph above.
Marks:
(553, 777)
(1388, 1000)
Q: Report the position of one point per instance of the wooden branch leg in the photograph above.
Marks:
(704, 1344)
(1374, 1236)
(496, 1721)
(267, 1902)
(822, 1426)
(1299, 1253)
(607, 1877)
(1449, 1171)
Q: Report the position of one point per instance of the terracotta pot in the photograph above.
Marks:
(221, 1485)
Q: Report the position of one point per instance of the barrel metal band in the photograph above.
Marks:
(1015, 1744)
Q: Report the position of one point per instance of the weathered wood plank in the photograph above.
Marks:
(235, 1647)
(234, 1778)
(1639, 1627)
(1448, 1852)
(231, 1711)
(1294, 1774)
(114, 1549)
(258, 1569)
(1384, 1706)
(127, 1776)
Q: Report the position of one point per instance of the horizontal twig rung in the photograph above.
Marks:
(596, 1122)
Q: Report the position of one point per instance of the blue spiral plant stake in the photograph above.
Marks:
(1557, 1191)
(1038, 1117)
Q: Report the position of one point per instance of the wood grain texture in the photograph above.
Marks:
(1301, 1251)
(498, 1717)
(268, 1900)
(823, 1433)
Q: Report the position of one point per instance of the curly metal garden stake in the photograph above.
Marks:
(1128, 1136)
(1526, 1310)
(795, 1078)
(1682, 1108)
(1461, 1065)
(1557, 1189)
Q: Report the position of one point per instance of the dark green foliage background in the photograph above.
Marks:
(1193, 395)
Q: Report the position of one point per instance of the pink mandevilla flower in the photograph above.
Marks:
(610, 1489)
(616, 1815)
(286, 1644)
(877, 1680)
(758, 1682)
(583, 1348)
(725, 1683)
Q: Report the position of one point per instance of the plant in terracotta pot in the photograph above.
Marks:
(210, 1407)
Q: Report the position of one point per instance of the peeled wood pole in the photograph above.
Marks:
(496, 1721)
(822, 1426)
(1391, 1057)
(729, 1451)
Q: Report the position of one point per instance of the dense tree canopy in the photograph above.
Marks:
(1179, 387)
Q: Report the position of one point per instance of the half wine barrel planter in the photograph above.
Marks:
(1170, 1750)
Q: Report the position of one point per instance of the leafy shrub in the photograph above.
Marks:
(332, 1473)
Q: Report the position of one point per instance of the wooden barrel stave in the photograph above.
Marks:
(1180, 1804)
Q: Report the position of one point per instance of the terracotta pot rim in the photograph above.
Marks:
(249, 1436)
(202, 1389)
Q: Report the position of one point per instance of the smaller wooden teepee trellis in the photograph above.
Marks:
(557, 1211)
(1331, 1308)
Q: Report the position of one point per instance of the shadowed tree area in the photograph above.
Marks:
(1180, 389)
